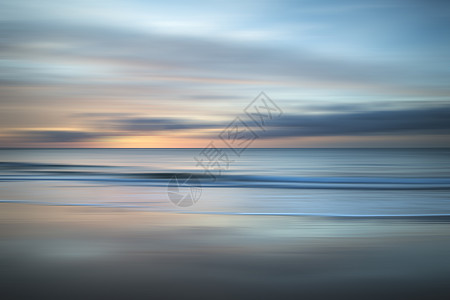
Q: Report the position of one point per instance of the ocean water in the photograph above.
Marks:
(276, 224)
(329, 182)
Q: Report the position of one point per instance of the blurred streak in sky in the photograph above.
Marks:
(169, 74)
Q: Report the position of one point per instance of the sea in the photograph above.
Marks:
(324, 182)
(225, 224)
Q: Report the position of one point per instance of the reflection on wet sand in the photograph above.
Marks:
(79, 252)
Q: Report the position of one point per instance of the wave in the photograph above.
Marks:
(15, 166)
(327, 215)
(14, 171)
(243, 182)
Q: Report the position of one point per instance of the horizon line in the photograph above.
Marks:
(35, 148)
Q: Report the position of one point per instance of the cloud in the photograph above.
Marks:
(335, 120)
(57, 136)
(126, 60)
(381, 122)
(84, 51)
(151, 125)
(340, 122)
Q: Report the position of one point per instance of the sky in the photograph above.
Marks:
(163, 74)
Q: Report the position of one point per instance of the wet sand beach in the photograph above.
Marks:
(70, 252)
